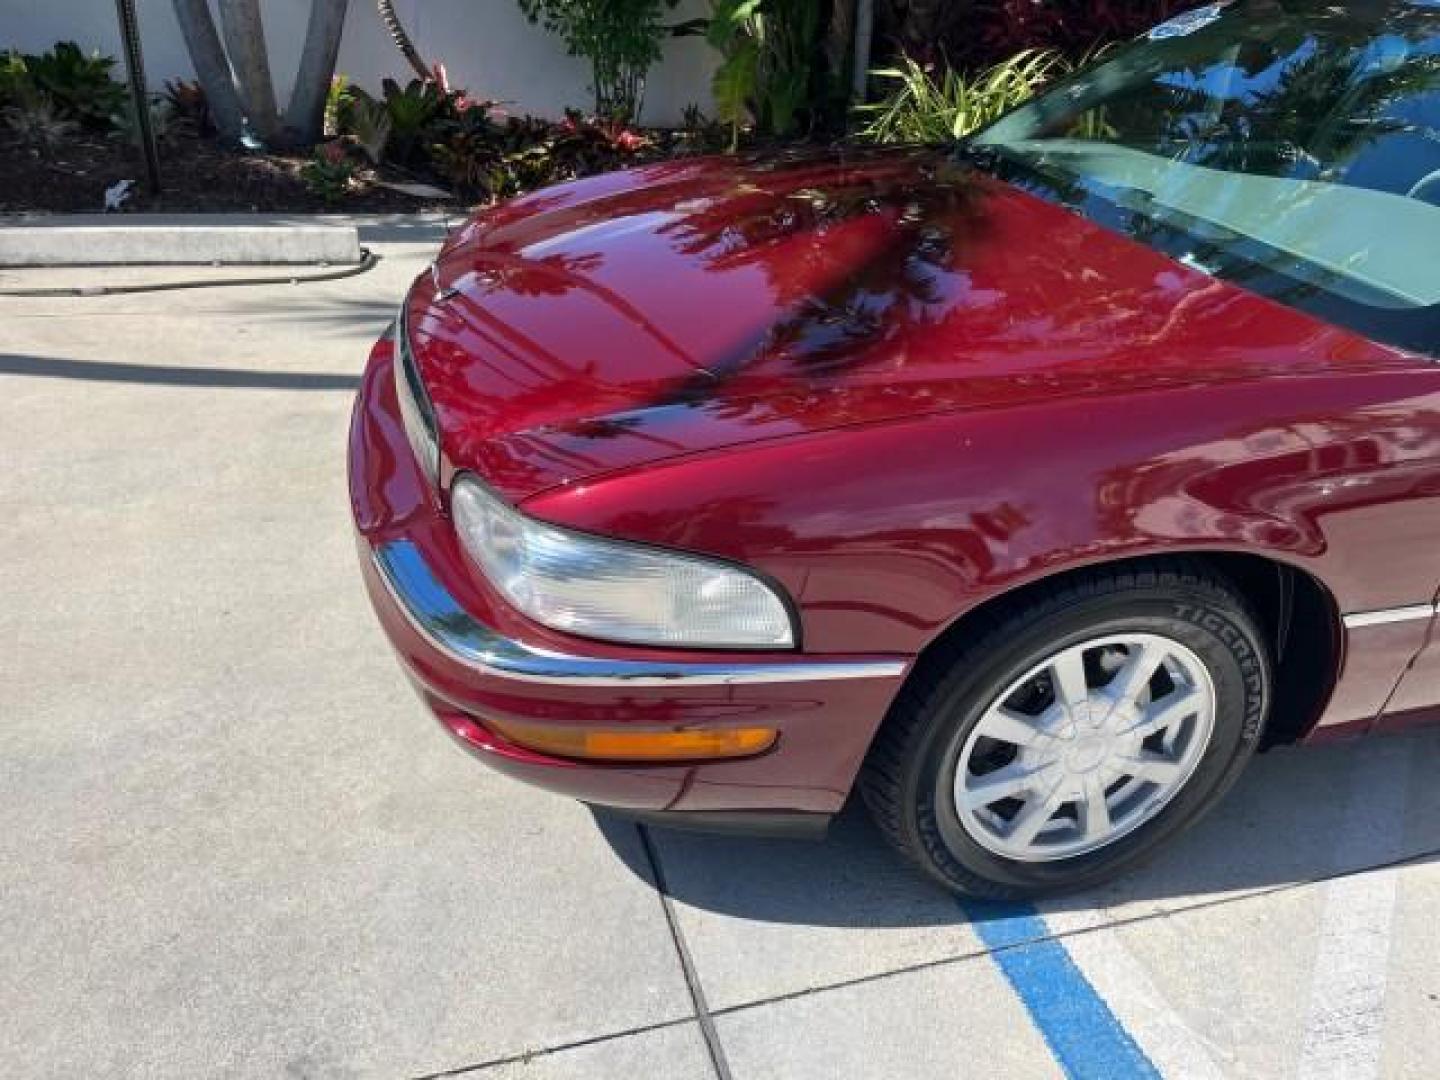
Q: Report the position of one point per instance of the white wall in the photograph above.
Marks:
(486, 46)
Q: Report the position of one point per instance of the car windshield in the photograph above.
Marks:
(1290, 147)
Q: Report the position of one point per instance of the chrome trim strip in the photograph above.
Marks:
(1383, 616)
(440, 619)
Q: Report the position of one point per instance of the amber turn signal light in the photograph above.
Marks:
(610, 744)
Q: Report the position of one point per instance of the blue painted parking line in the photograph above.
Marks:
(1086, 1038)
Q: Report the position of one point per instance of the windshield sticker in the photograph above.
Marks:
(1186, 24)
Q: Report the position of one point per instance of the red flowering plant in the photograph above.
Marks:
(330, 172)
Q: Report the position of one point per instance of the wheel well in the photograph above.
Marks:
(1298, 619)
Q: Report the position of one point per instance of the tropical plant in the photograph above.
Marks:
(189, 105)
(236, 74)
(36, 122)
(401, 124)
(738, 72)
(484, 160)
(789, 43)
(929, 107)
(412, 110)
(620, 38)
(16, 85)
(360, 117)
(78, 85)
(127, 129)
(329, 174)
(582, 146)
(487, 161)
(769, 51)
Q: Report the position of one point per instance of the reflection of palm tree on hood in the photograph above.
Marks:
(555, 275)
(864, 263)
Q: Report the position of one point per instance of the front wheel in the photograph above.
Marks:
(1071, 734)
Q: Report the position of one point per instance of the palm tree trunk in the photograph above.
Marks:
(211, 67)
(305, 115)
(386, 8)
(244, 33)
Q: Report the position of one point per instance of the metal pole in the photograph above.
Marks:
(139, 93)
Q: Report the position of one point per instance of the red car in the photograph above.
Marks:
(1027, 485)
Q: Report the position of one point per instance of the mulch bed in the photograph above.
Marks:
(196, 174)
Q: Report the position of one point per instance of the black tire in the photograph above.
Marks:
(907, 778)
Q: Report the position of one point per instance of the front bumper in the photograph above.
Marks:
(472, 657)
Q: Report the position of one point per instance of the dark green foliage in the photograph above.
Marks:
(413, 109)
(492, 161)
(36, 124)
(16, 86)
(126, 127)
(402, 124)
(44, 97)
(80, 86)
(365, 121)
(772, 69)
(485, 159)
(330, 173)
(620, 38)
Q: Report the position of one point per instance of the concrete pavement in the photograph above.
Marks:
(234, 844)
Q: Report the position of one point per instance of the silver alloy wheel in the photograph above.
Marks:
(1085, 747)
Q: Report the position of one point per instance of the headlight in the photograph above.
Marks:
(415, 408)
(615, 590)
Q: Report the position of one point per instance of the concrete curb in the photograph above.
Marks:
(175, 239)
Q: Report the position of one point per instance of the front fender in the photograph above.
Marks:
(885, 534)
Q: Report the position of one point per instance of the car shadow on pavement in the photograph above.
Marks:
(1278, 827)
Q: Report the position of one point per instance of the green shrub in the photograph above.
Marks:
(38, 124)
(620, 38)
(366, 121)
(16, 86)
(126, 126)
(769, 50)
(329, 174)
(79, 85)
(28, 113)
(413, 110)
(402, 124)
(928, 108)
(485, 160)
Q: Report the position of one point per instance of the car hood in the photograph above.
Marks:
(680, 308)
